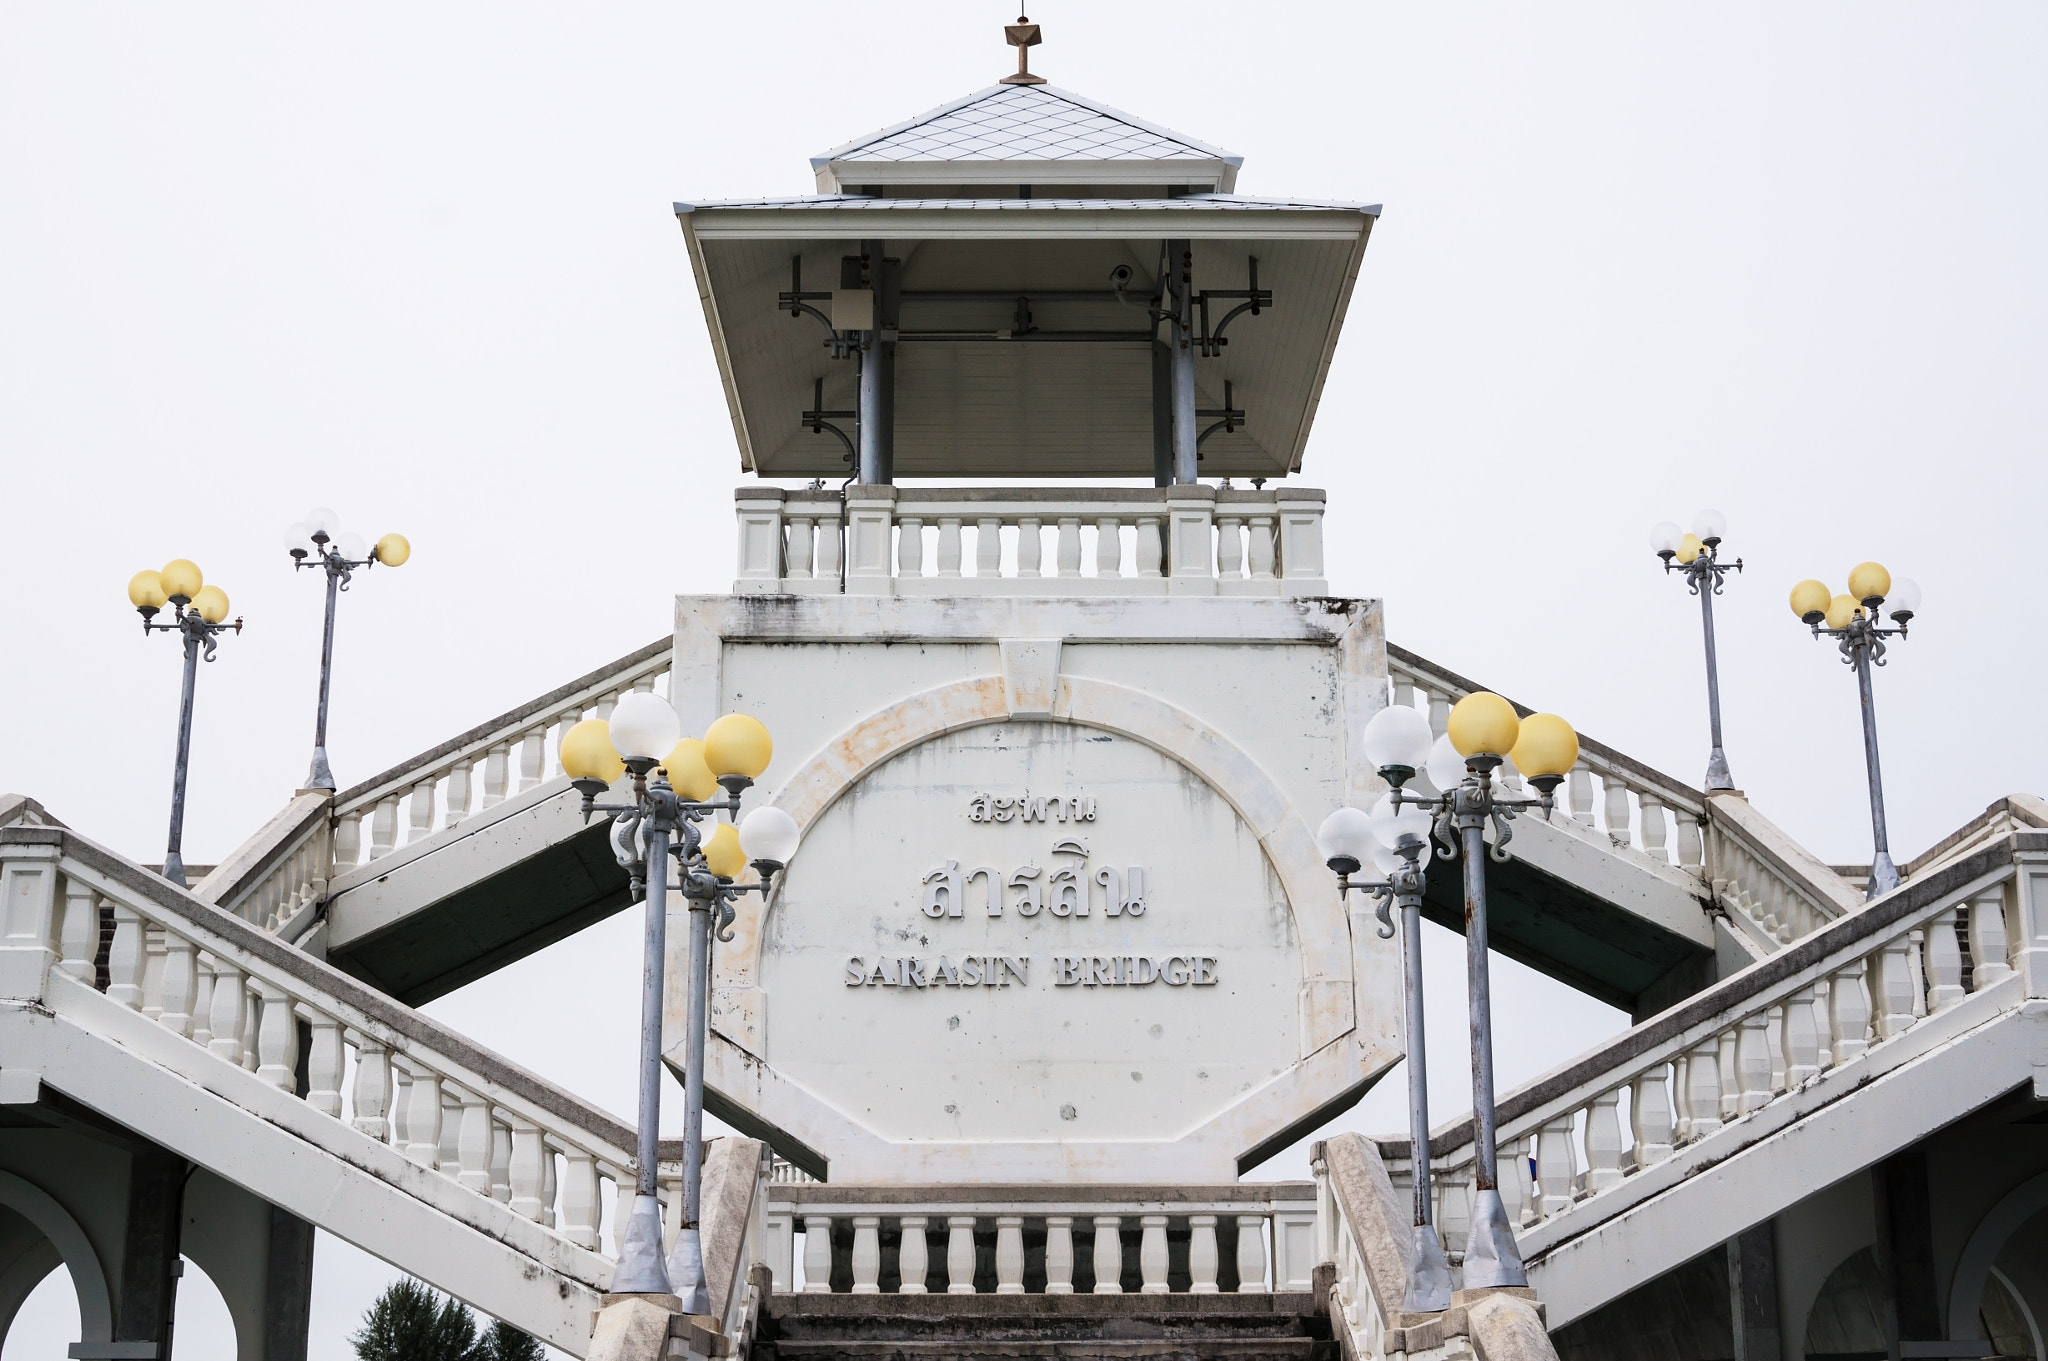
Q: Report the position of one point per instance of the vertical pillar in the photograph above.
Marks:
(150, 1248)
(1162, 411)
(288, 1288)
(1905, 1249)
(1180, 274)
(1753, 1293)
(878, 369)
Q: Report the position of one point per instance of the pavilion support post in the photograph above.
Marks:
(877, 359)
(1162, 413)
(1180, 273)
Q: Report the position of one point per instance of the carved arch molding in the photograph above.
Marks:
(54, 1222)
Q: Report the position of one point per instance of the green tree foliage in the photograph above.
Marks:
(410, 1322)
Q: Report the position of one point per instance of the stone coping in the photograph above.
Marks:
(1027, 496)
(175, 902)
(938, 1197)
(1875, 919)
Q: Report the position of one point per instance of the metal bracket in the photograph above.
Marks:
(1211, 341)
(1228, 417)
(818, 420)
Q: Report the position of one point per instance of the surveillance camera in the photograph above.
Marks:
(1120, 277)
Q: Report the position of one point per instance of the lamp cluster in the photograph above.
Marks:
(1871, 589)
(321, 537)
(179, 582)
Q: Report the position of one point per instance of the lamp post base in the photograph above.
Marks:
(1429, 1273)
(1884, 875)
(686, 1269)
(320, 776)
(640, 1270)
(174, 869)
(1491, 1257)
(1718, 777)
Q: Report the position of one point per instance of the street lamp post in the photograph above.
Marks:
(1698, 559)
(1484, 730)
(199, 612)
(676, 785)
(1853, 619)
(318, 537)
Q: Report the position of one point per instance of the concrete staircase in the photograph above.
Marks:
(1182, 1327)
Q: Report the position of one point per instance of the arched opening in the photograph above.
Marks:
(202, 1327)
(1848, 1315)
(45, 1323)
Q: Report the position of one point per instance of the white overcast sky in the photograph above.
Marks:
(418, 262)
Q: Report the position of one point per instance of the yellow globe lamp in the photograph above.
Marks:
(146, 592)
(1869, 581)
(588, 754)
(212, 604)
(1483, 724)
(1690, 548)
(1841, 610)
(181, 578)
(722, 853)
(1810, 600)
(1546, 747)
(688, 774)
(737, 744)
(392, 550)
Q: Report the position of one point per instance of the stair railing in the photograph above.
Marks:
(1250, 1238)
(1845, 1000)
(1766, 880)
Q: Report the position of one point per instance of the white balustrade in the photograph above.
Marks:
(867, 1240)
(1636, 808)
(1136, 541)
(1705, 1077)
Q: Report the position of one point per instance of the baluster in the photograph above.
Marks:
(1802, 1041)
(448, 1157)
(1731, 1077)
(125, 960)
(533, 750)
(1439, 711)
(1894, 990)
(988, 547)
(1203, 1262)
(1512, 1175)
(497, 774)
(422, 823)
(251, 1011)
(1109, 1255)
(348, 843)
(152, 970)
(230, 999)
(78, 935)
(1109, 548)
(202, 1000)
(829, 545)
(1029, 546)
(1703, 1087)
(1653, 826)
(1059, 1255)
(372, 1095)
(959, 1254)
(473, 1141)
(1261, 555)
(1649, 1118)
(1990, 945)
(549, 1185)
(423, 1117)
(181, 983)
(949, 545)
(523, 1171)
(1230, 547)
(1453, 1207)
(1152, 1255)
(909, 546)
(818, 1254)
(579, 1217)
(458, 793)
(914, 1257)
(277, 1038)
(867, 1254)
(1009, 1254)
(1068, 546)
(1774, 1034)
(1149, 546)
(401, 1102)
(384, 826)
(563, 723)
(1916, 970)
(622, 1198)
(501, 1162)
(1603, 1142)
(1578, 786)
(1944, 962)
(323, 1064)
(1691, 849)
(1681, 1102)
(1554, 1170)
(1753, 1063)
(1617, 810)
(1251, 1254)
(798, 563)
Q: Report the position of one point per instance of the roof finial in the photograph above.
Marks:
(1023, 36)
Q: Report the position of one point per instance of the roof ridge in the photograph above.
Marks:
(1018, 92)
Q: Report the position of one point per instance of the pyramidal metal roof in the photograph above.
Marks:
(1031, 133)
